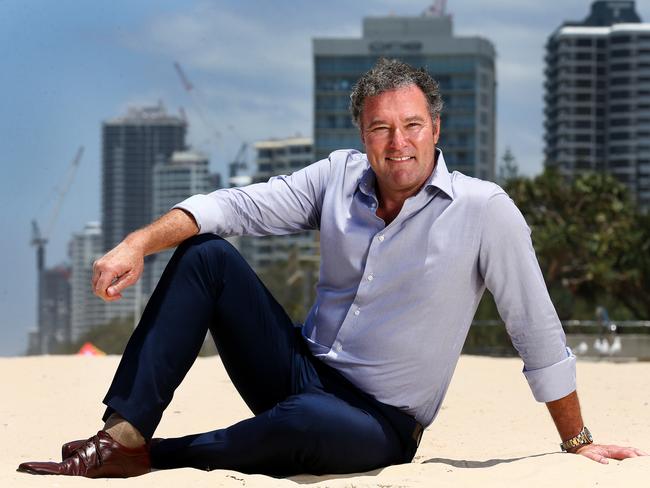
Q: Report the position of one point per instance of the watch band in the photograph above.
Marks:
(582, 439)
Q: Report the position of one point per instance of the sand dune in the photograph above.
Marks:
(490, 431)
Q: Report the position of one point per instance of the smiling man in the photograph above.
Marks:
(400, 135)
(407, 250)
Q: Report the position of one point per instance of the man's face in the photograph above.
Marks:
(400, 139)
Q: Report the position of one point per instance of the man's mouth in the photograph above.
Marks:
(400, 158)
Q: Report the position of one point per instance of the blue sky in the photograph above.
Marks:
(68, 65)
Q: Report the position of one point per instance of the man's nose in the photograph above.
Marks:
(397, 139)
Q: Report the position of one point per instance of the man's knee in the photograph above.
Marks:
(206, 246)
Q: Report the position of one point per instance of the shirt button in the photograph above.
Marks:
(357, 312)
(381, 238)
(370, 277)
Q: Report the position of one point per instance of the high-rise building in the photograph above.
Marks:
(131, 146)
(185, 174)
(87, 310)
(598, 96)
(275, 157)
(54, 313)
(464, 67)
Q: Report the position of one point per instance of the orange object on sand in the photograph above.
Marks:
(89, 349)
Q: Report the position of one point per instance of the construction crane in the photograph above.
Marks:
(39, 240)
(192, 92)
(238, 167)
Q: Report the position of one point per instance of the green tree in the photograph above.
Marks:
(292, 283)
(586, 235)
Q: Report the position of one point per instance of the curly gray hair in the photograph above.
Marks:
(389, 74)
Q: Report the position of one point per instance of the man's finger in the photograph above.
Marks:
(617, 452)
(96, 274)
(120, 284)
(598, 457)
(105, 280)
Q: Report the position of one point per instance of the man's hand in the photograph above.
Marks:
(122, 266)
(603, 453)
(119, 268)
(568, 420)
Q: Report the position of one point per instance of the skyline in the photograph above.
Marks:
(71, 65)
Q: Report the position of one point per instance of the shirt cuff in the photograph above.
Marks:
(555, 381)
(207, 215)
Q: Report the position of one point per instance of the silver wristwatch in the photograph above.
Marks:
(582, 439)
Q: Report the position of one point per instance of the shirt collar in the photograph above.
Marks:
(439, 178)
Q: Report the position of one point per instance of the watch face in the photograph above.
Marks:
(588, 435)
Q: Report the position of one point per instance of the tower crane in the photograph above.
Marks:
(39, 240)
(238, 166)
(192, 92)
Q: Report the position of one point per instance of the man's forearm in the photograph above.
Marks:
(566, 415)
(168, 231)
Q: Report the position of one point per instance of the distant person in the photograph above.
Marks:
(407, 250)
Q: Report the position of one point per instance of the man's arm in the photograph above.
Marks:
(568, 421)
(284, 204)
(122, 266)
(511, 272)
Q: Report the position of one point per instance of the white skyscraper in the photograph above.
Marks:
(598, 96)
(87, 310)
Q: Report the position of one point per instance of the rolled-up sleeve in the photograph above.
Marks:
(554, 381)
(285, 204)
(511, 272)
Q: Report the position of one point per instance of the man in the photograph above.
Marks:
(407, 250)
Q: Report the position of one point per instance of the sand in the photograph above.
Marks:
(489, 433)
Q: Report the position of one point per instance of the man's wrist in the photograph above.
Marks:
(582, 439)
(137, 240)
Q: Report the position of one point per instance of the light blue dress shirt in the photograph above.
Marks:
(394, 302)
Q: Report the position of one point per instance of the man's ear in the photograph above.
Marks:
(436, 129)
(363, 139)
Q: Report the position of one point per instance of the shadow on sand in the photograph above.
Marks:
(461, 463)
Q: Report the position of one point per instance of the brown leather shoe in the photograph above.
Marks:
(69, 448)
(98, 457)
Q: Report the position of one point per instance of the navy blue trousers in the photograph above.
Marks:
(307, 417)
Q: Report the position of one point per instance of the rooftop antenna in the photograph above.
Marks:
(437, 9)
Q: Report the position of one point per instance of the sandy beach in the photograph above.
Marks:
(489, 433)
